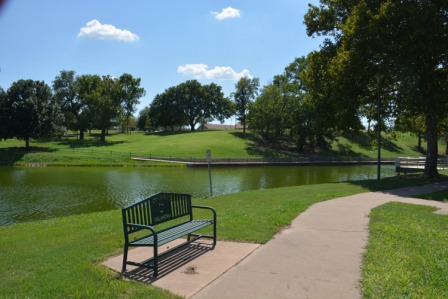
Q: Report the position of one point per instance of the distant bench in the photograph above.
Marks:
(143, 216)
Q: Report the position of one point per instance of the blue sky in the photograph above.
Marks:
(163, 42)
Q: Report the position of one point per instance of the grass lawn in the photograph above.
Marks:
(119, 148)
(60, 257)
(439, 196)
(407, 253)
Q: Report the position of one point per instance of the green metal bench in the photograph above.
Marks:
(143, 216)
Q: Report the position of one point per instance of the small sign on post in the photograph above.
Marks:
(208, 154)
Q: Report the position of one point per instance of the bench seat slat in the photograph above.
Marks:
(172, 233)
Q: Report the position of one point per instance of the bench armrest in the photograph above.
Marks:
(207, 208)
(142, 227)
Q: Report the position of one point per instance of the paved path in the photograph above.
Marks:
(319, 256)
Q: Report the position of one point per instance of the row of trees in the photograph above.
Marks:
(398, 49)
(389, 56)
(31, 109)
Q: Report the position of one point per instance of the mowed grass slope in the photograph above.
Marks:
(119, 148)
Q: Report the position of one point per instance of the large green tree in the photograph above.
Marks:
(66, 92)
(107, 98)
(103, 104)
(400, 46)
(33, 111)
(268, 114)
(166, 110)
(190, 103)
(144, 119)
(246, 90)
(130, 92)
(5, 116)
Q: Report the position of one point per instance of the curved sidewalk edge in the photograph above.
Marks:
(319, 256)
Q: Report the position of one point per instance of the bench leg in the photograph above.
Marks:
(125, 259)
(156, 262)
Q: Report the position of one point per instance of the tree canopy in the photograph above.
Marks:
(29, 111)
(246, 92)
(400, 46)
(190, 103)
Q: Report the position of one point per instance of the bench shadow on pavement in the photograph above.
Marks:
(170, 262)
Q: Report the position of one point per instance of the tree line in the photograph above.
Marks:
(382, 61)
(31, 109)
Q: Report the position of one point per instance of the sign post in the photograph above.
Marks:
(208, 154)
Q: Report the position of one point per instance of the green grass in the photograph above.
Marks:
(223, 144)
(439, 196)
(61, 257)
(407, 253)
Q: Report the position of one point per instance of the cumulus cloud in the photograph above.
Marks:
(94, 29)
(227, 13)
(201, 71)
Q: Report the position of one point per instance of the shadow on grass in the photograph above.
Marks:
(8, 156)
(419, 150)
(364, 140)
(87, 143)
(410, 180)
(257, 147)
(345, 150)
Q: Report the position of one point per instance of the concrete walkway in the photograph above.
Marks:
(319, 256)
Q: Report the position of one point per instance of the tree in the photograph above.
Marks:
(166, 111)
(5, 116)
(266, 115)
(103, 100)
(144, 120)
(246, 92)
(66, 92)
(190, 103)
(403, 44)
(33, 111)
(130, 92)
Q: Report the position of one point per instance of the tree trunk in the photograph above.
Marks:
(27, 143)
(81, 134)
(243, 120)
(419, 142)
(446, 142)
(103, 135)
(432, 145)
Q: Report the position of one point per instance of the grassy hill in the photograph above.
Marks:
(223, 144)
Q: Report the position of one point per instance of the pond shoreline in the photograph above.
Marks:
(264, 162)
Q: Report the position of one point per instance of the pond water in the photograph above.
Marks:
(34, 193)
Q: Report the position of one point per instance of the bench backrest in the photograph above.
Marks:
(157, 209)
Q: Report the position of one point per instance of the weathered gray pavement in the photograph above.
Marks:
(319, 256)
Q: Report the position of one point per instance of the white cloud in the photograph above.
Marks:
(199, 71)
(227, 13)
(94, 29)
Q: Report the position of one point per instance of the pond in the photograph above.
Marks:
(34, 193)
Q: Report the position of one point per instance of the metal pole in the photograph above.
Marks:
(208, 154)
(379, 133)
(210, 179)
